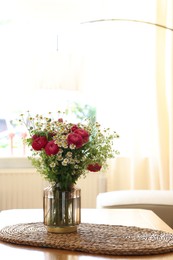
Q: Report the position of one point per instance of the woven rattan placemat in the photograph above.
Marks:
(92, 238)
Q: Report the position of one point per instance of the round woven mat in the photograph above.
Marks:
(92, 238)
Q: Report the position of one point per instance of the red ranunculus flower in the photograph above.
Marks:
(51, 148)
(94, 167)
(60, 120)
(74, 127)
(83, 133)
(35, 136)
(39, 142)
(75, 139)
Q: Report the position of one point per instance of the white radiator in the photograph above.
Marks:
(21, 188)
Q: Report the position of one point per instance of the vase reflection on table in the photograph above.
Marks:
(61, 209)
(63, 152)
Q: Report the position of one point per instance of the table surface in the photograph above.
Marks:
(128, 217)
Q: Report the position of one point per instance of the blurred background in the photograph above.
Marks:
(110, 59)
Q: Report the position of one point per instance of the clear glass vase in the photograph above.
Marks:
(61, 209)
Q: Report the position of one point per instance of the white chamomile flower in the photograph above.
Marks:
(63, 137)
(71, 161)
(59, 157)
(77, 161)
(69, 154)
(65, 162)
(72, 146)
(64, 145)
(52, 165)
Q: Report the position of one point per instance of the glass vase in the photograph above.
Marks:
(61, 209)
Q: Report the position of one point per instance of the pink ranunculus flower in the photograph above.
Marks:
(83, 133)
(51, 148)
(95, 167)
(39, 142)
(75, 139)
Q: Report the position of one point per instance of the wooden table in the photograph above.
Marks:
(129, 217)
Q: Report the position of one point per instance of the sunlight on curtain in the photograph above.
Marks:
(164, 68)
(125, 68)
(119, 71)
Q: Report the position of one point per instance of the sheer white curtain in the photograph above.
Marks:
(127, 69)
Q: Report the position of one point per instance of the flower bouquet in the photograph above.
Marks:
(63, 151)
